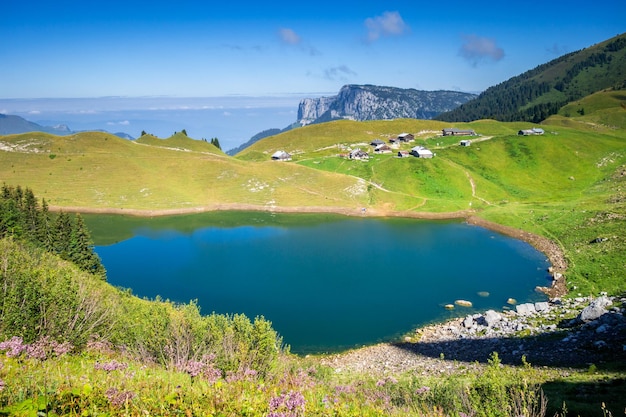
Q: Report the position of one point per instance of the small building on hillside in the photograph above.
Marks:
(465, 142)
(358, 154)
(403, 154)
(376, 142)
(533, 131)
(453, 131)
(421, 152)
(281, 156)
(383, 148)
(406, 137)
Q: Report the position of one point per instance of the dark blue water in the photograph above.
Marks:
(335, 285)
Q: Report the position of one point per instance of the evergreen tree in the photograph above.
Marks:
(45, 235)
(184, 132)
(81, 250)
(62, 235)
(216, 142)
(31, 215)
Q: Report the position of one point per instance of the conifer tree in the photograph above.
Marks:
(62, 235)
(81, 251)
(45, 235)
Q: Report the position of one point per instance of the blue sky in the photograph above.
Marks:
(135, 48)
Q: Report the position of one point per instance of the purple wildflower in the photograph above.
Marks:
(119, 398)
(382, 382)
(14, 347)
(194, 368)
(344, 389)
(291, 404)
(422, 390)
(2, 384)
(61, 349)
(110, 366)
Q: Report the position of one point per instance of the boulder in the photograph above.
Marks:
(525, 309)
(595, 309)
(542, 306)
(468, 322)
(491, 318)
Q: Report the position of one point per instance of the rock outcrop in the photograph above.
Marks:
(369, 102)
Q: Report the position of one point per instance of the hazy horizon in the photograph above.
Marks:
(232, 119)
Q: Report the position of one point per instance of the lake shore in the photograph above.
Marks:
(551, 249)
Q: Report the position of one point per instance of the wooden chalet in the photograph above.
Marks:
(453, 131)
(383, 148)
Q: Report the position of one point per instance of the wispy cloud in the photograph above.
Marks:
(476, 49)
(122, 123)
(291, 38)
(557, 50)
(387, 24)
(340, 73)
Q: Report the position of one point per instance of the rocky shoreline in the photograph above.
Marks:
(568, 333)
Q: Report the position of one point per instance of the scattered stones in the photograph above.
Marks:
(511, 301)
(483, 293)
(463, 344)
(463, 303)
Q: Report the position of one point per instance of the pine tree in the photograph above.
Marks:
(216, 142)
(45, 229)
(81, 251)
(62, 235)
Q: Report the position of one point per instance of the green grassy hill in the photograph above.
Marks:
(102, 171)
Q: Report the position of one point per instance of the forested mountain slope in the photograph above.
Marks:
(542, 91)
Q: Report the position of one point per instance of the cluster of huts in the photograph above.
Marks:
(382, 147)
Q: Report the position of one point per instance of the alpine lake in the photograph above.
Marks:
(326, 282)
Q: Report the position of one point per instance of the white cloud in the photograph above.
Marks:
(476, 49)
(34, 112)
(388, 24)
(122, 123)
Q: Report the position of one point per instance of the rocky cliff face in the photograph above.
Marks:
(368, 102)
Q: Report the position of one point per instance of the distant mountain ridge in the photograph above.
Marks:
(11, 125)
(541, 92)
(370, 102)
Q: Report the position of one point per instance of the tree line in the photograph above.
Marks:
(23, 218)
